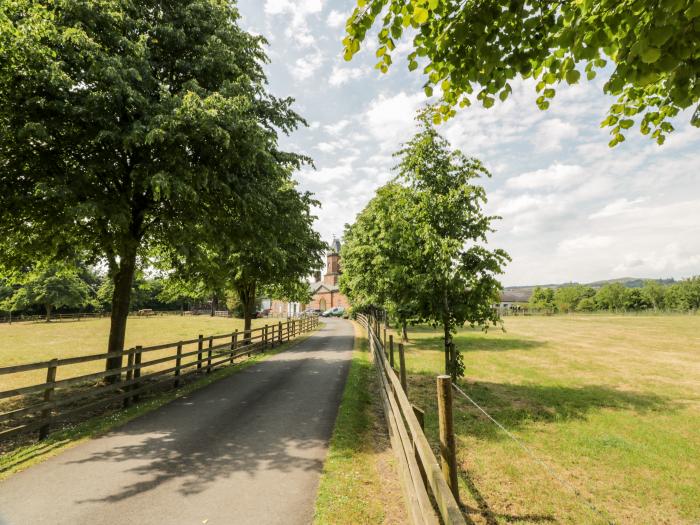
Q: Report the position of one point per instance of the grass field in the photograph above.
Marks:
(30, 342)
(612, 403)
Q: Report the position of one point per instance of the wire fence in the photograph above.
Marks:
(537, 459)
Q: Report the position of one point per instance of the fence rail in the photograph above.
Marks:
(41, 405)
(421, 475)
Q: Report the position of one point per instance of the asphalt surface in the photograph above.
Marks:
(247, 449)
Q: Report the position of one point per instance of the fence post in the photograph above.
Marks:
(288, 330)
(264, 346)
(200, 345)
(129, 375)
(391, 350)
(402, 369)
(279, 332)
(234, 343)
(384, 341)
(178, 360)
(48, 394)
(211, 342)
(448, 452)
(137, 372)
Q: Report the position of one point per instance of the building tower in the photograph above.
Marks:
(333, 264)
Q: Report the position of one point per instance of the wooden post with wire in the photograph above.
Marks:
(48, 394)
(402, 369)
(391, 350)
(448, 449)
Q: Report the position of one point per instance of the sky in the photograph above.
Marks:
(573, 209)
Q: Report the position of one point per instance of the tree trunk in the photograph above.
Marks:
(246, 294)
(214, 304)
(448, 342)
(121, 298)
(48, 312)
(404, 332)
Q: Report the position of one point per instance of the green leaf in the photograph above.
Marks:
(420, 15)
(650, 54)
(572, 76)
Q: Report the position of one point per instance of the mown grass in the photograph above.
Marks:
(29, 342)
(30, 454)
(359, 482)
(611, 402)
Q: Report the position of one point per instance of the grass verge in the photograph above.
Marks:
(27, 455)
(359, 482)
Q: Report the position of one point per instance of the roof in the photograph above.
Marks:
(515, 296)
(315, 287)
(335, 246)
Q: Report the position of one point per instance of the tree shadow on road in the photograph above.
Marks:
(275, 416)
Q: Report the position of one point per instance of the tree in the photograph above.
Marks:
(271, 257)
(542, 299)
(567, 298)
(611, 297)
(130, 127)
(473, 51)
(51, 286)
(455, 271)
(378, 253)
(654, 294)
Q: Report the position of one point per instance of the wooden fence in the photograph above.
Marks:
(421, 475)
(38, 406)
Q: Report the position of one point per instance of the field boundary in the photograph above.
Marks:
(421, 476)
(43, 404)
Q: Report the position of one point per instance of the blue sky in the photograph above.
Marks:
(573, 209)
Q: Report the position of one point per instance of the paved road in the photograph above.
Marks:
(245, 450)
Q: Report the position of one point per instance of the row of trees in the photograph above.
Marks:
(683, 296)
(418, 249)
(142, 135)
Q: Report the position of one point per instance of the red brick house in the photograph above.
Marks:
(326, 293)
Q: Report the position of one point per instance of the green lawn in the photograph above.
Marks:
(30, 342)
(611, 402)
(359, 482)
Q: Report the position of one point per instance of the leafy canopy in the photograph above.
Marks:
(128, 128)
(442, 269)
(51, 286)
(473, 50)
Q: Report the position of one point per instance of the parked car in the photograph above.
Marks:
(336, 311)
(313, 311)
(263, 313)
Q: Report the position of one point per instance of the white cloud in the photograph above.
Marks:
(391, 119)
(584, 243)
(337, 127)
(341, 75)
(306, 66)
(337, 18)
(551, 133)
(558, 176)
(299, 10)
(617, 207)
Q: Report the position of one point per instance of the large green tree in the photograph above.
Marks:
(649, 50)
(378, 255)
(51, 286)
(272, 257)
(127, 127)
(456, 269)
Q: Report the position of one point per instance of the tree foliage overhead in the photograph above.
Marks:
(473, 50)
(131, 127)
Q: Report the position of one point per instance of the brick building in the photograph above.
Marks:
(326, 293)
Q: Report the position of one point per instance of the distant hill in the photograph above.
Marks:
(521, 294)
